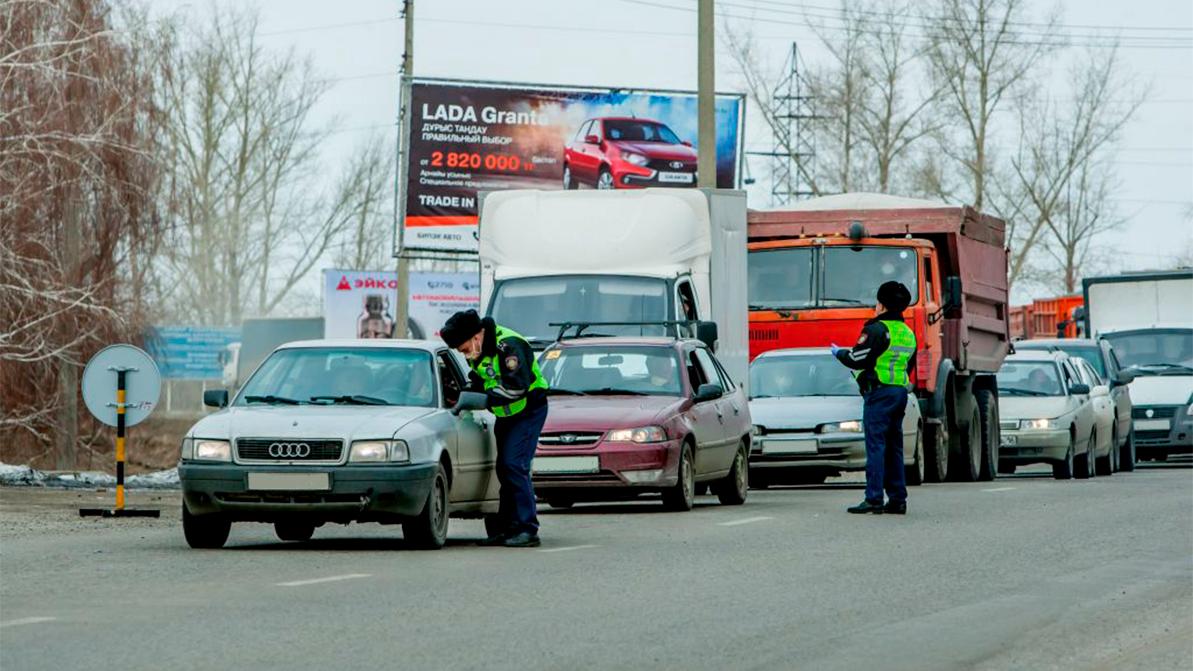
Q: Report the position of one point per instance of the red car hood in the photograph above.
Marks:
(602, 413)
(667, 152)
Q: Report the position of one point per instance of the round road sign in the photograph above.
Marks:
(142, 383)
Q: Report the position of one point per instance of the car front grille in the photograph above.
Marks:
(257, 449)
(1158, 412)
(1151, 437)
(664, 165)
(602, 476)
(569, 439)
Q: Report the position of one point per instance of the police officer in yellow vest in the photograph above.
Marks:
(505, 369)
(881, 359)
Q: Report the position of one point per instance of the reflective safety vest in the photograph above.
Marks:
(489, 370)
(891, 367)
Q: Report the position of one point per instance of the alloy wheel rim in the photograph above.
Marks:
(741, 473)
(689, 485)
(605, 181)
(440, 508)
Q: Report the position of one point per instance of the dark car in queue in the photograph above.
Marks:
(638, 415)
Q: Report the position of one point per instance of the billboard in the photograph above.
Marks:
(360, 304)
(470, 137)
(190, 352)
(436, 296)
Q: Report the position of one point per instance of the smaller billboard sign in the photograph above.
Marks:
(436, 296)
(190, 352)
(359, 303)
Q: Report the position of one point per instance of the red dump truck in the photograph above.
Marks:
(1060, 317)
(813, 272)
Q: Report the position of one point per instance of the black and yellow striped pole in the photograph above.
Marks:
(121, 407)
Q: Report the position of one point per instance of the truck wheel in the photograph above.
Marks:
(966, 465)
(681, 497)
(1084, 463)
(293, 531)
(732, 490)
(204, 532)
(914, 474)
(428, 530)
(1063, 469)
(1126, 456)
(936, 454)
(988, 414)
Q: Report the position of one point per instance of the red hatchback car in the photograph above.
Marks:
(626, 153)
(636, 415)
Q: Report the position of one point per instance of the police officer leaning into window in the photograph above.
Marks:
(884, 352)
(504, 368)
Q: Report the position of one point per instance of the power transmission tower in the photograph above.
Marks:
(793, 153)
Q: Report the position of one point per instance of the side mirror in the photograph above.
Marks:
(708, 392)
(952, 294)
(591, 139)
(1079, 389)
(706, 332)
(686, 143)
(1100, 390)
(469, 400)
(1124, 377)
(215, 398)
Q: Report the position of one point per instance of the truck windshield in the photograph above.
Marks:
(852, 276)
(804, 375)
(529, 305)
(779, 278)
(1154, 352)
(1029, 378)
(343, 376)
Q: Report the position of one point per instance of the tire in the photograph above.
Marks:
(1126, 455)
(1105, 465)
(1084, 463)
(936, 454)
(1006, 469)
(733, 488)
(914, 474)
(682, 496)
(204, 532)
(293, 531)
(428, 530)
(560, 502)
(965, 464)
(1063, 470)
(605, 180)
(569, 183)
(988, 418)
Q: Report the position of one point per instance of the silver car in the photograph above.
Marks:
(1045, 414)
(340, 431)
(807, 415)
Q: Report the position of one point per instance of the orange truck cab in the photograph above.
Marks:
(814, 270)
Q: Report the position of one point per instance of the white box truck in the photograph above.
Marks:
(648, 255)
(1148, 318)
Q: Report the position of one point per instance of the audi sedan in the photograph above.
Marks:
(340, 431)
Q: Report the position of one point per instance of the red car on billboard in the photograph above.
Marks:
(640, 415)
(627, 153)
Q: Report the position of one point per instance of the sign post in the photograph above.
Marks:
(129, 375)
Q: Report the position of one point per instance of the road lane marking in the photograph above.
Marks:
(748, 520)
(315, 581)
(26, 620)
(1000, 489)
(570, 548)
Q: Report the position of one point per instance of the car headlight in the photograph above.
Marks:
(636, 159)
(212, 450)
(1037, 424)
(645, 434)
(378, 451)
(848, 426)
(757, 430)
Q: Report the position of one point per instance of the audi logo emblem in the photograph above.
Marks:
(676, 164)
(289, 450)
(1150, 413)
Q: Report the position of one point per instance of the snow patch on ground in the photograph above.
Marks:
(18, 476)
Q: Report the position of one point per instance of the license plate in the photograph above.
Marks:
(289, 482)
(1009, 441)
(1152, 425)
(789, 447)
(566, 465)
(676, 177)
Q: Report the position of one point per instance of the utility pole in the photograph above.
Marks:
(706, 84)
(402, 309)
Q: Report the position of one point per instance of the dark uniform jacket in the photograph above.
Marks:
(873, 341)
(516, 358)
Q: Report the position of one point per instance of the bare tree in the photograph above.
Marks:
(1087, 213)
(368, 241)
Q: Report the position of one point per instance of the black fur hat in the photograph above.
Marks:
(894, 296)
(462, 326)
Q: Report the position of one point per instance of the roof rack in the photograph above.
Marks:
(691, 325)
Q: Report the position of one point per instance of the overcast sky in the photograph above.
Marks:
(643, 43)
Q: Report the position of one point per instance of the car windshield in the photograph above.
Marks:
(1029, 378)
(804, 375)
(638, 131)
(610, 370)
(343, 376)
(1154, 352)
(1091, 354)
(779, 278)
(853, 275)
(530, 305)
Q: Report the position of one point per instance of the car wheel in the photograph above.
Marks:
(1126, 456)
(1063, 469)
(732, 490)
(1105, 465)
(605, 180)
(204, 532)
(682, 496)
(968, 464)
(293, 531)
(428, 530)
(988, 420)
(1084, 463)
(936, 453)
(560, 502)
(569, 182)
(1006, 469)
(914, 474)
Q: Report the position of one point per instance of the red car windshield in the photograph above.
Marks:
(638, 131)
(611, 370)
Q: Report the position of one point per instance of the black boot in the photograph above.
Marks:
(867, 507)
(494, 540)
(892, 508)
(523, 540)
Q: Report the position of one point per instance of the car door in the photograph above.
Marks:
(1084, 413)
(705, 418)
(475, 458)
(1121, 393)
(588, 154)
(1102, 403)
(726, 409)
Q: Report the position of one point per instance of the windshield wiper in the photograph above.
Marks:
(271, 399)
(611, 391)
(851, 301)
(354, 399)
(564, 392)
(1019, 391)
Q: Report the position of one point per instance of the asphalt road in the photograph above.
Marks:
(1022, 573)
